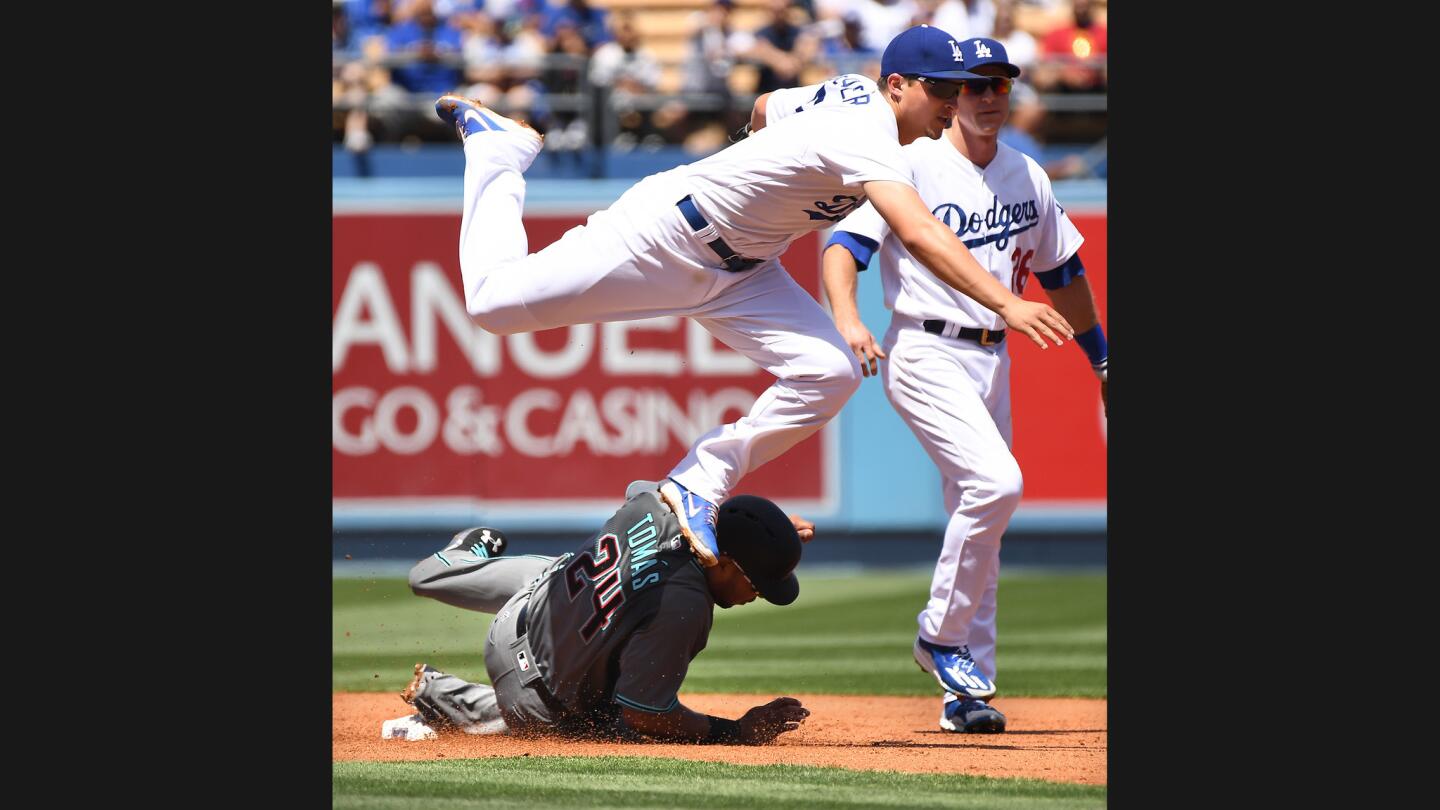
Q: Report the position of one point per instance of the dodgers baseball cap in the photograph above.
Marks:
(984, 51)
(924, 51)
(760, 538)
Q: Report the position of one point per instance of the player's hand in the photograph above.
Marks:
(862, 343)
(1038, 321)
(762, 724)
(804, 528)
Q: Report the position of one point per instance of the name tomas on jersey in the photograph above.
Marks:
(998, 224)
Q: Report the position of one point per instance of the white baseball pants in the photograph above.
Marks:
(955, 396)
(639, 259)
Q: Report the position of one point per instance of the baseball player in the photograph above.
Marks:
(947, 369)
(704, 240)
(596, 643)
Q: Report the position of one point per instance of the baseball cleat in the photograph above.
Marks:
(697, 520)
(953, 668)
(971, 716)
(418, 682)
(411, 728)
(470, 117)
(481, 541)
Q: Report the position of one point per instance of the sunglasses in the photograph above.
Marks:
(976, 87)
(943, 90)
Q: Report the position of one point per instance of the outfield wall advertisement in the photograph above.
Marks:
(431, 411)
(433, 415)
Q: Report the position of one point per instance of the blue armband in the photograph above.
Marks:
(860, 247)
(1093, 342)
(1057, 277)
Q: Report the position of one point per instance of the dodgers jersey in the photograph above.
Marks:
(1005, 213)
(800, 173)
(619, 621)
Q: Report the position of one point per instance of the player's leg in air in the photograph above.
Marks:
(772, 320)
(627, 262)
(470, 572)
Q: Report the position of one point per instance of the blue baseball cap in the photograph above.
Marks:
(924, 51)
(984, 51)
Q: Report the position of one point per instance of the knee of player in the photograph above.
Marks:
(496, 321)
(841, 375)
(1006, 481)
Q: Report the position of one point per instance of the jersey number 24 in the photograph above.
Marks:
(597, 567)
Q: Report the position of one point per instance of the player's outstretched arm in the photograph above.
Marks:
(940, 250)
(759, 725)
(839, 274)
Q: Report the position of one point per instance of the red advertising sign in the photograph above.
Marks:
(1059, 421)
(429, 409)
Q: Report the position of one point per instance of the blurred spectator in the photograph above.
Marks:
(715, 47)
(566, 131)
(782, 47)
(1019, 45)
(962, 19)
(1022, 130)
(484, 57)
(564, 75)
(882, 20)
(843, 49)
(622, 64)
(341, 39)
(629, 73)
(368, 18)
(433, 47)
(1040, 17)
(589, 21)
(503, 64)
(1078, 51)
(368, 107)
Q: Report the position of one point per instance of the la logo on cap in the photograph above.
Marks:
(981, 50)
(955, 50)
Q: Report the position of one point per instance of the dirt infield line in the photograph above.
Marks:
(1055, 739)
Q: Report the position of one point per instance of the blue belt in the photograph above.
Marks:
(734, 262)
(985, 337)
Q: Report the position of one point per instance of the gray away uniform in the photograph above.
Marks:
(578, 636)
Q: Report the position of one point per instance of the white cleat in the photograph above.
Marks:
(411, 728)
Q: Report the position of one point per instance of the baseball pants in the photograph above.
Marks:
(639, 259)
(955, 396)
(500, 585)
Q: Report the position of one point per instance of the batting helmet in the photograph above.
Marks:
(760, 538)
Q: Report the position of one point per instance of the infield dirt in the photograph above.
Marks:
(1055, 739)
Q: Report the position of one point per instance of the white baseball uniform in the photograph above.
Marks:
(954, 393)
(642, 258)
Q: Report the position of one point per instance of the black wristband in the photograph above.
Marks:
(723, 731)
(740, 134)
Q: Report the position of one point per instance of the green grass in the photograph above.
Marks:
(628, 782)
(844, 635)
